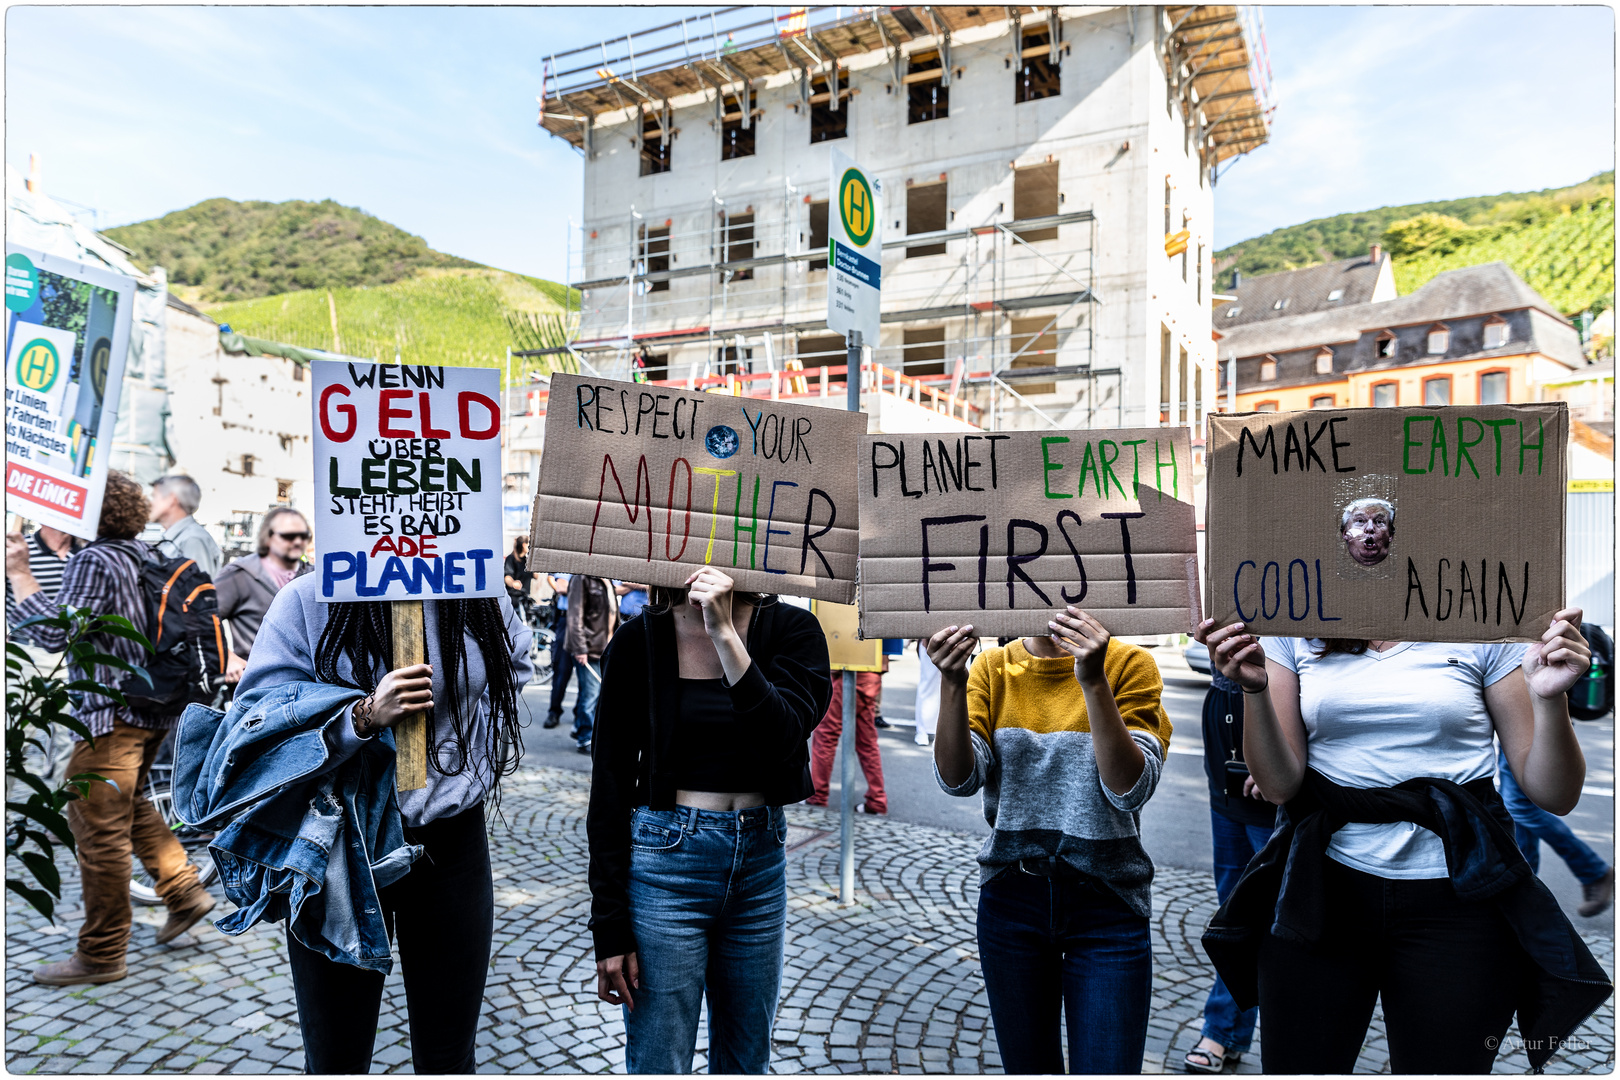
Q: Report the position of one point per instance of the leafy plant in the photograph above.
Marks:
(35, 705)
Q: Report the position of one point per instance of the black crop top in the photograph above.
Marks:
(713, 751)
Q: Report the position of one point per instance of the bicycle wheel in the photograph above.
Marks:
(143, 890)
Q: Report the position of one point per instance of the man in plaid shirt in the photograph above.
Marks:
(115, 818)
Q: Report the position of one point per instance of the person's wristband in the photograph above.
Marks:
(1257, 693)
(360, 717)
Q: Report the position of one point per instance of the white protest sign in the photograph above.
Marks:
(854, 250)
(67, 337)
(408, 481)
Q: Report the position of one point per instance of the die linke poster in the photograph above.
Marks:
(648, 483)
(1001, 529)
(1435, 523)
(408, 481)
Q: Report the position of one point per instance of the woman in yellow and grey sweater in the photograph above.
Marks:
(1066, 737)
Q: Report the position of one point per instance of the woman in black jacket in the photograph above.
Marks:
(708, 700)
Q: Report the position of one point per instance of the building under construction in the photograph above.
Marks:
(1048, 178)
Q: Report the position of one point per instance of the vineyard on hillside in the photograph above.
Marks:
(453, 317)
(1568, 257)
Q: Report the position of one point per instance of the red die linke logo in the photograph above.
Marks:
(46, 490)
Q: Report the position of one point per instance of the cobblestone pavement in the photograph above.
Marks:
(891, 984)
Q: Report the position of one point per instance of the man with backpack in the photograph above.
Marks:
(115, 819)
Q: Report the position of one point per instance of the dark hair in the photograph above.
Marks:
(520, 541)
(268, 523)
(1348, 646)
(663, 598)
(125, 508)
(361, 631)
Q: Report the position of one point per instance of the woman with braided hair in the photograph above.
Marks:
(440, 913)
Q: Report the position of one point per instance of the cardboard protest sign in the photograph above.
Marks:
(1002, 529)
(407, 481)
(648, 483)
(1409, 524)
(67, 337)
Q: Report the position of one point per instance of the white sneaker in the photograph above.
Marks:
(921, 740)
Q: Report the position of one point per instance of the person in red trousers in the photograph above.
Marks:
(824, 741)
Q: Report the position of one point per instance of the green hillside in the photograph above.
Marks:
(1560, 240)
(293, 271)
(455, 317)
(228, 250)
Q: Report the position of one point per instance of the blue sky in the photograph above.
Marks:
(426, 116)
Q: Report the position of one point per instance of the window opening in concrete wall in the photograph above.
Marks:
(736, 141)
(1496, 334)
(1039, 73)
(733, 363)
(925, 351)
(1035, 194)
(822, 350)
(1040, 353)
(1164, 373)
(1181, 378)
(740, 243)
(1493, 388)
(1198, 295)
(652, 367)
(927, 98)
(297, 371)
(1387, 346)
(1323, 402)
(1439, 341)
(1437, 391)
(818, 232)
(655, 145)
(1386, 395)
(1167, 191)
(926, 212)
(825, 121)
(284, 491)
(655, 256)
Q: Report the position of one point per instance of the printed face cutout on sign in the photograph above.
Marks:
(1367, 527)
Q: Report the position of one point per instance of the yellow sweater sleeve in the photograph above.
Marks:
(1138, 691)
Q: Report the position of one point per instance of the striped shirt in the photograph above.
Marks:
(104, 578)
(47, 568)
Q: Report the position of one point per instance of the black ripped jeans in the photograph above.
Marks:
(442, 917)
(1448, 972)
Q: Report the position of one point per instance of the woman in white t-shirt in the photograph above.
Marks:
(1372, 715)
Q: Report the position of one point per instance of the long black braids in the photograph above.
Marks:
(361, 633)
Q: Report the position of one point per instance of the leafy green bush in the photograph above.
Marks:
(35, 704)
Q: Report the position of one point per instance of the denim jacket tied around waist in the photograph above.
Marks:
(302, 840)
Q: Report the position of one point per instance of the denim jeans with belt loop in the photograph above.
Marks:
(708, 903)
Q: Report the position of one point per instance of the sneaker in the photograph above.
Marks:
(878, 721)
(862, 808)
(551, 721)
(76, 970)
(1596, 897)
(921, 740)
(584, 748)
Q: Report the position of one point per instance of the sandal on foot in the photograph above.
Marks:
(1213, 1062)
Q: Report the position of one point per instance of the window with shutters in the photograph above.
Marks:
(927, 98)
(1035, 195)
(1388, 346)
(1039, 75)
(1496, 334)
(926, 212)
(1324, 362)
(1439, 341)
(1268, 370)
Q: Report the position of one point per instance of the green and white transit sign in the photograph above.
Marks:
(854, 250)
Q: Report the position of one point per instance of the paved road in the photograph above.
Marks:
(891, 984)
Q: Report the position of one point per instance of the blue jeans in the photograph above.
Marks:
(1046, 944)
(590, 688)
(1235, 845)
(708, 903)
(1532, 824)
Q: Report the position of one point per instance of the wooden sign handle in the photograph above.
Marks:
(410, 734)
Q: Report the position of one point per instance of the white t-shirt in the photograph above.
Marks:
(1379, 719)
